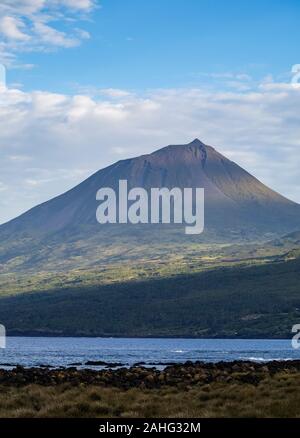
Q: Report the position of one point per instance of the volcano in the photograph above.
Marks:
(237, 206)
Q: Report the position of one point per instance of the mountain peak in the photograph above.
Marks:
(195, 147)
(196, 142)
(179, 154)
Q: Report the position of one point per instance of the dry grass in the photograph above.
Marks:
(274, 397)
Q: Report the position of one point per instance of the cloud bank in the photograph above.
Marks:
(50, 142)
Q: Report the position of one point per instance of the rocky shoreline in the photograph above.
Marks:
(185, 375)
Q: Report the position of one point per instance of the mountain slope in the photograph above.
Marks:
(237, 206)
(237, 302)
(228, 190)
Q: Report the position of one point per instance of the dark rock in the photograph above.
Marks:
(103, 364)
(180, 375)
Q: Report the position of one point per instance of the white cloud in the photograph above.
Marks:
(31, 25)
(2, 187)
(50, 142)
(114, 93)
(85, 5)
(50, 36)
(12, 27)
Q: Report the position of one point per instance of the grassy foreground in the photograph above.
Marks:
(277, 397)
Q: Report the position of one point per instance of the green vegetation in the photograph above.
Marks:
(120, 262)
(276, 396)
(167, 289)
(257, 301)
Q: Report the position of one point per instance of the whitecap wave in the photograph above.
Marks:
(264, 359)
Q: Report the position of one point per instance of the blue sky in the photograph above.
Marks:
(137, 44)
(91, 82)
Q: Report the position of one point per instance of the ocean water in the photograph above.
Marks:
(34, 351)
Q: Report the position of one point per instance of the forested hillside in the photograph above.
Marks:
(258, 301)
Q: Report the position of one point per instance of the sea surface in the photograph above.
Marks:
(37, 351)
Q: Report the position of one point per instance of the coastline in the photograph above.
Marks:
(176, 374)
